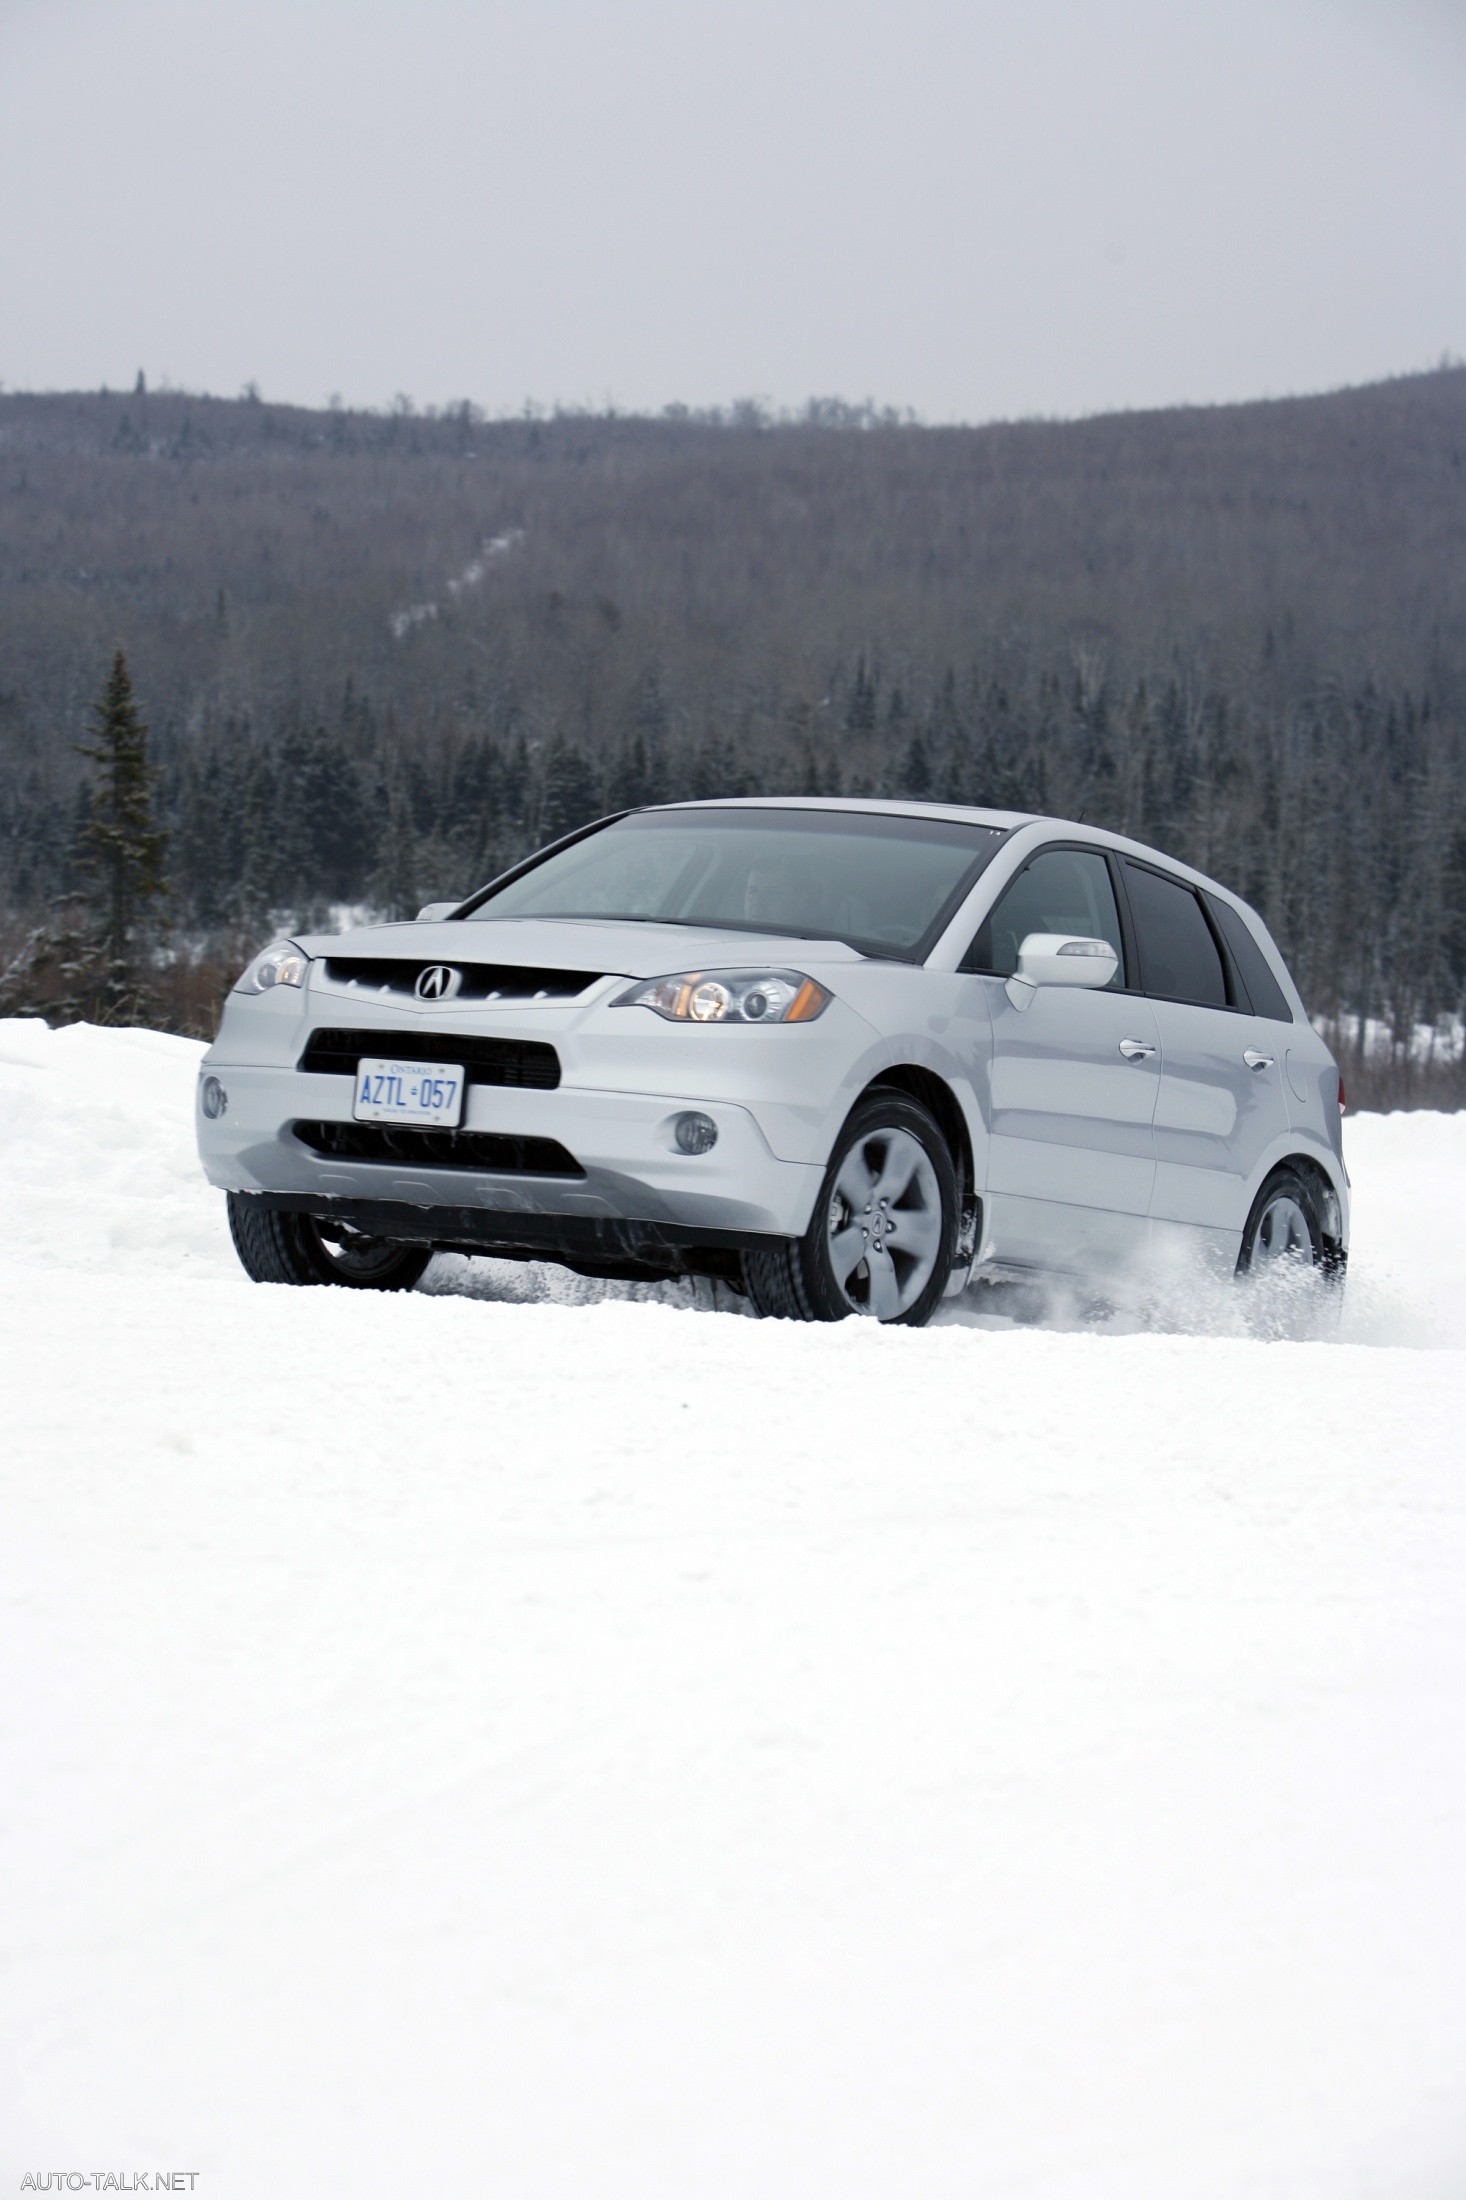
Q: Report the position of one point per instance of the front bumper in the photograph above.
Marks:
(633, 1171)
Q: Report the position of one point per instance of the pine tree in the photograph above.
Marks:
(958, 780)
(914, 779)
(260, 876)
(198, 841)
(120, 845)
(58, 971)
(860, 707)
(394, 885)
(569, 794)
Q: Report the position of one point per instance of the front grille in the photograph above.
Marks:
(522, 1062)
(478, 981)
(496, 1152)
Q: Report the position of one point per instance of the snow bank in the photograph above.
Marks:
(98, 1168)
(546, 1750)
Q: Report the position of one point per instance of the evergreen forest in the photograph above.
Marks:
(378, 657)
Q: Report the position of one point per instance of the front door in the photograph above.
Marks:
(1073, 1083)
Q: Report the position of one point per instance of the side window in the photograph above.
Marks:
(1179, 959)
(1061, 890)
(1264, 992)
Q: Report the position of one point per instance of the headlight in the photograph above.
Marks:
(730, 997)
(282, 965)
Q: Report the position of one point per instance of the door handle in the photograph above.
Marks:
(1136, 1050)
(1254, 1060)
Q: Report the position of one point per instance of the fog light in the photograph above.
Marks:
(695, 1133)
(213, 1099)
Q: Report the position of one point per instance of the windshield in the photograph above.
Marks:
(884, 884)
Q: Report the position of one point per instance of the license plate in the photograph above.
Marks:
(408, 1092)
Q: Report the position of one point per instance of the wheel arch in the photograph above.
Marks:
(1322, 1165)
(1314, 1174)
(940, 1101)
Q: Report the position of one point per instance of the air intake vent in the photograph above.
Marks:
(477, 981)
(522, 1062)
(494, 1153)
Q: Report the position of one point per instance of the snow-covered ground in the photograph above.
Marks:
(537, 1739)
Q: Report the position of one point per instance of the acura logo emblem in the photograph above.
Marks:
(438, 983)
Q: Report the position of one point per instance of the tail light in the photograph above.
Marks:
(1343, 1102)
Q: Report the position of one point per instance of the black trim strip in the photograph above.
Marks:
(408, 1146)
(478, 981)
(525, 1063)
(665, 1247)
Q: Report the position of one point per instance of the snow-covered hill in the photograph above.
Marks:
(541, 1739)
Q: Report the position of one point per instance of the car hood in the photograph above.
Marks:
(611, 949)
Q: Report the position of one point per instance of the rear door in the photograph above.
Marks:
(1222, 1100)
(1073, 1080)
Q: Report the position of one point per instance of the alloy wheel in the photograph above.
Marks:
(885, 1228)
(1282, 1233)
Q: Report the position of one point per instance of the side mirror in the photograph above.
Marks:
(1054, 958)
(433, 912)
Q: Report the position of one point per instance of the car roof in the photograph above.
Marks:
(1005, 821)
(961, 813)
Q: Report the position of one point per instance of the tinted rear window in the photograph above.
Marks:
(1179, 959)
(1263, 991)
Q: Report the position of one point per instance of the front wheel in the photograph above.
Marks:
(884, 1233)
(275, 1247)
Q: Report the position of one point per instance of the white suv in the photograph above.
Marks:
(843, 1054)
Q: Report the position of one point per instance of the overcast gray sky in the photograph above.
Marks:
(973, 207)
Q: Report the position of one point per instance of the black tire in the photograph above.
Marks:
(1285, 1189)
(1292, 1268)
(798, 1281)
(284, 1248)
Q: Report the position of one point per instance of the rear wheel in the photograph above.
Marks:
(1285, 1228)
(884, 1232)
(282, 1248)
(1292, 1267)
